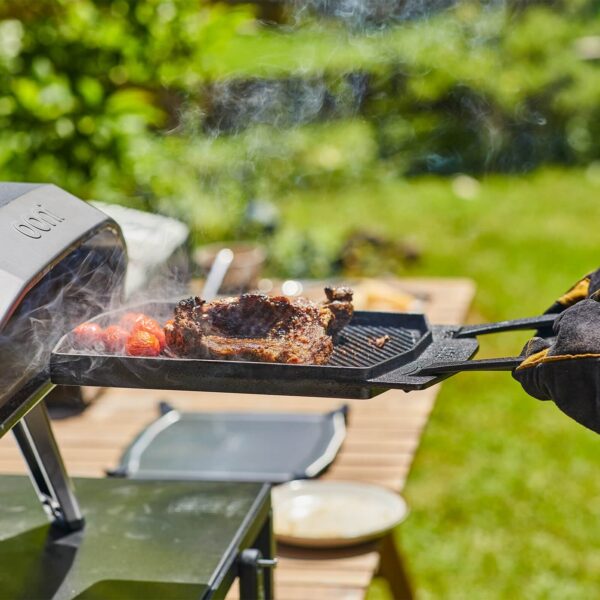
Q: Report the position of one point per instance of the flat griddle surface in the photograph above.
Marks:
(358, 368)
(233, 446)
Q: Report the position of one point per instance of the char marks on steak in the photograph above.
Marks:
(260, 328)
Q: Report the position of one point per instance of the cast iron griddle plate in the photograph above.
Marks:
(235, 446)
(357, 369)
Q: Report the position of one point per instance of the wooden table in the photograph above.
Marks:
(383, 436)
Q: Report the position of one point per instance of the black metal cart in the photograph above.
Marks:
(142, 539)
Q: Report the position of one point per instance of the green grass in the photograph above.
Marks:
(505, 493)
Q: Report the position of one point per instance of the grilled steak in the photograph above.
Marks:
(339, 304)
(260, 328)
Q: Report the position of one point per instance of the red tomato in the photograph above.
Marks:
(152, 326)
(115, 338)
(129, 319)
(87, 336)
(142, 343)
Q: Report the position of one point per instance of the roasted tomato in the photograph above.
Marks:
(152, 326)
(128, 320)
(88, 336)
(115, 338)
(142, 343)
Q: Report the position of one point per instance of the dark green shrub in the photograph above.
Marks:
(83, 83)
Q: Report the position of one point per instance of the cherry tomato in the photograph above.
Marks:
(152, 326)
(88, 336)
(142, 343)
(115, 338)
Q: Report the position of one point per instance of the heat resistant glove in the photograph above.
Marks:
(567, 370)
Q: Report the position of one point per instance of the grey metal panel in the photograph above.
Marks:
(235, 446)
(36, 228)
(10, 191)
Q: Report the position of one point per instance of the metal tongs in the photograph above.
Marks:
(542, 322)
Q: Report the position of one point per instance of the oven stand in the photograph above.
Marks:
(46, 468)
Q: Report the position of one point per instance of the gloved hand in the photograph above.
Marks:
(567, 371)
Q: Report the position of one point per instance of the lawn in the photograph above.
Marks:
(505, 493)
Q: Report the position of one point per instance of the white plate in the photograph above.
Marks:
(334, 513)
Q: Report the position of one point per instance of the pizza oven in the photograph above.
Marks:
(63, 261)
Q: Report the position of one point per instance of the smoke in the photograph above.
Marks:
(240, 104)
(89, 283)
(250, 125)
(288, 102)
(84, 283)
(363, 14)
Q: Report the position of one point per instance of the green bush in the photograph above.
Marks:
(208, 182)
(83, 82)
(487, 91)
(474, 89)
(119, 100)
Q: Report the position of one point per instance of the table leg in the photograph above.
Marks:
(391, 568)
(265, 542)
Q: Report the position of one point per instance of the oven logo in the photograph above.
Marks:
(38, 222)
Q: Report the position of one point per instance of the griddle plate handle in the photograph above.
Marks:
(484, 364)
(539, 322)
(489, 364)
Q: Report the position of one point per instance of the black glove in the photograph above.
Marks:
(568, 370)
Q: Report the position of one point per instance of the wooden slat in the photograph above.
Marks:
(348, 459)
(379, 446)
(289, 592)
(82, 454)
(384, 435)
(332, 577)
(362, 562)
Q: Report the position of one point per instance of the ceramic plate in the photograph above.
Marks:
(334, 513)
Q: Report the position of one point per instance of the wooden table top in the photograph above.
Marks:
(382, 438)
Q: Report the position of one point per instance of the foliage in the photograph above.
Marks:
(472, 89)
(497, 94)
(110, 98)
(82, 82)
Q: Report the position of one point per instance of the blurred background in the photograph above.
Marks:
(346, 138)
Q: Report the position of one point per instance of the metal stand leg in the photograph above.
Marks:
(256, 566)
(47, 471)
